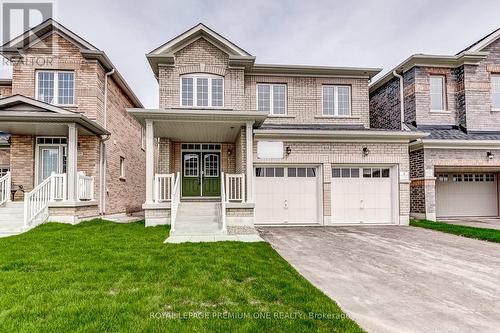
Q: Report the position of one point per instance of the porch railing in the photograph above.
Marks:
(5, 183)
(164, 187)
(235, 187)
(223, 201)
(176, 198)
(36, 202)
(85, 187)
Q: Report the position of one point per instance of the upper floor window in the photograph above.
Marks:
(438, 91)
(495, 91)
(271, 98)
(55, 87)
(198, 90)
(336, 100)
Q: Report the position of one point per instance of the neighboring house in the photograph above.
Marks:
(68, 141)
(266, 144)
(456, 99)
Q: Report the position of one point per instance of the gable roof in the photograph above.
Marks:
(13, 48)
(483, 42)
(19, 108)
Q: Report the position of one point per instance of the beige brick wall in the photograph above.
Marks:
(22, 162)
(328, 154)
(5, 91)
(5, 157)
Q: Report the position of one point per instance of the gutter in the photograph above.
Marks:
(401, 97)
(103, 156)
(339, 135)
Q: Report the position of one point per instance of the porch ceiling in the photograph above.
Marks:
(196, 131)
(27, 128)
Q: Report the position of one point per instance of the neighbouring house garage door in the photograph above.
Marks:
(286, 195)
(466, 194)
(362, 195)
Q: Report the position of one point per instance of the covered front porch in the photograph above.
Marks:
(199, 170)
(53, 161)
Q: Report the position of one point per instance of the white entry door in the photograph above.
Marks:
(50, 159)
(466, 194)
(286, 195)
(362, 195)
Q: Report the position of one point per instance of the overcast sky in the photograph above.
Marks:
(363, 33)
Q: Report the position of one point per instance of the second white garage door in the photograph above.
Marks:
(286, 195)
(362, 195)
(466, 194)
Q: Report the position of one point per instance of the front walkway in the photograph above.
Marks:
(399, 279)
(477, 222)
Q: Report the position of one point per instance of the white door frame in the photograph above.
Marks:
(38, 151)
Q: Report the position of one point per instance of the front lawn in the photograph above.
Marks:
(105, 277)
(490, 235)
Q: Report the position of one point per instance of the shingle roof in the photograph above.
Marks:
(453, 133)
(479, 41)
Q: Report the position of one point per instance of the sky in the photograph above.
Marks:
(361, 33)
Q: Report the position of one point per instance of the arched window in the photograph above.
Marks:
(201, 90)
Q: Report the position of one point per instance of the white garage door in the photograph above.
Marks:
(466, 194)
(286, 195)
(362, 195)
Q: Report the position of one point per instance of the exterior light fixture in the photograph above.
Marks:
(490, 155)
(288, 150)
(229, 152)
(366, 151)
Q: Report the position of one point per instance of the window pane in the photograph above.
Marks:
(279, 99)
(336, 173)
(328, 100)
(46, 87)
(269, 172)
(259, 172)
(495, 88)
(301, 172)
(367, 173)
(264, 97)
(376, 173)
(437, 92)
(202, 91)
(311, 172)
(187, 91)
(344, 101)
(292, 172)
(354, 173)
(385, 173)
(279, 172)
(217, 92)
(346, 173)
(65, 88)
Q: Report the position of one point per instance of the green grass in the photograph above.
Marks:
(490, 235)
(104, 277)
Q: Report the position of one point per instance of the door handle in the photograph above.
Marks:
(286, 204)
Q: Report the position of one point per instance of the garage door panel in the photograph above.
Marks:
(359, 199)
(287, 199)
(471, 194)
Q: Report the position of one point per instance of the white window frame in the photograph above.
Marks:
(335, 100)
(496, 76)
(443, 86)
(56, 86)
(195, 78)
(122, 167)
(271, 97)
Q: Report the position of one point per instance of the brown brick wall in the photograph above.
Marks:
(5, 91)
(5, 157)
(22, 162)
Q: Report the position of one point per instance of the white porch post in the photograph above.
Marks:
(149, 160)
(72, 162)
(249, 152)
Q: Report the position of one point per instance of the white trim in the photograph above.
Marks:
(271, 98)
(335, 101)
(56, 86)
(195, 78)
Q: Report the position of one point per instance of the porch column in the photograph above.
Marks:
(149, 161)
(249, 152)
(71, 169)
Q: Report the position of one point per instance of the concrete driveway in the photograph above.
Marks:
(399, 279)
(478, 222)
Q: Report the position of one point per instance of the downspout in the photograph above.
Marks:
(103, 163)
(401, 97)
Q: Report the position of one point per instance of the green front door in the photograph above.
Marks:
(200, 174)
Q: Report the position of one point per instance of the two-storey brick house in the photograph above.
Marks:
(456, 99)
(265, 144)
(69, 148)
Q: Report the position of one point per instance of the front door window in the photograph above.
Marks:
(50, 161)
(201, 174)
